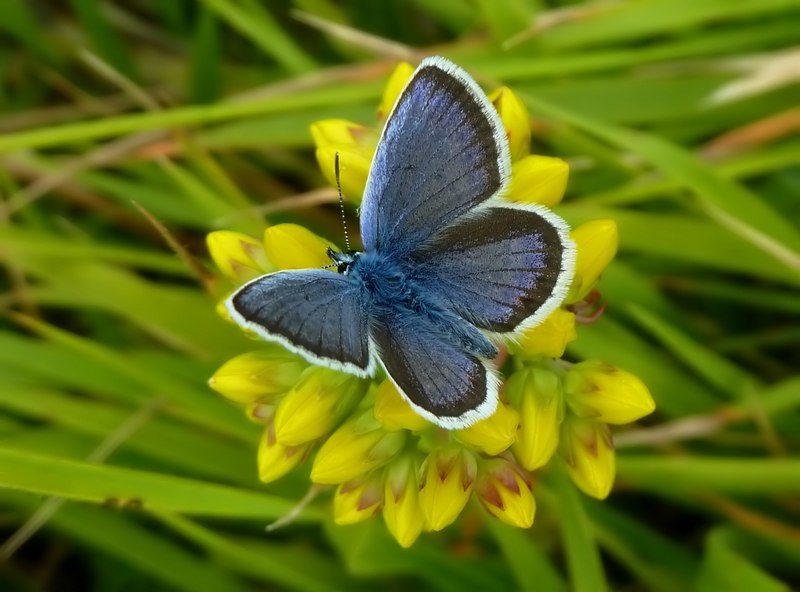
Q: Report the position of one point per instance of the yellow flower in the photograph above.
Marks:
(606, 393)
(504, 493)
(588, 450)
(539, 180)
(238, 256)
(596, 242)
(328, 132)
(494, 434)
(401, 510)
(358, 500)
(514, 116)
(258, 375)
(354, 163)
(448, 477)
(394, 413)
(549, 338)
(397, 82)
(319, 401)
(536, 392)
(290, 246)
(275, 459)
(356, 448)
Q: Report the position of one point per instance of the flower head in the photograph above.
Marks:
(448, 475)
(362, 436)
(505, 492)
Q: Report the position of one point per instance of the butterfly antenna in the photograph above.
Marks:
(341, 200)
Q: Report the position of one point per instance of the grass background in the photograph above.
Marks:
(680, 120)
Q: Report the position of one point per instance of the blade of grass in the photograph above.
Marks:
(583, 557)
(721, 373)
(264, 567)
(18, 244)
(726, 569)
(626, 21)
(206, 61)
(728, 203)
(100, 484)
(685, 474)
(257, 25)
(659, 562)
(185, 448)
(196, 406)
(115, 535)
(531, 567)
(703, 243)
(104, 38)
(186, 116)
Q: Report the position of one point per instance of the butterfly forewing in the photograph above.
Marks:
(500, 268)
(443, 151)
(317, 313)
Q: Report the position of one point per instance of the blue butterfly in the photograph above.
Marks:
(447, 268)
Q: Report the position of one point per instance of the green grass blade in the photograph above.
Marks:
(692, 473)
(113, 534)
(531, 567)
(583, 557)
(80, 481)
(256, 24)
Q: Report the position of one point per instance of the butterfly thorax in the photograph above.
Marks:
(390, 290)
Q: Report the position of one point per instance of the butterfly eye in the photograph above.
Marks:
(343, 261)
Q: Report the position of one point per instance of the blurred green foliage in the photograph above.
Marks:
(679, 118)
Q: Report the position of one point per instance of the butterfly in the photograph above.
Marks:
(448, 269)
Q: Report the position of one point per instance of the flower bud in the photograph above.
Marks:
(606, 393)
(275, 459)
(354, 163)
(290, 246)
(258, 375)
(539, 180)
(494, 434)
(316, 405)
(358, 500)
(401, 510)
(588, 450)
(537, 394)
(394, 412)
(549, 338)
(514, 116)
(357, 447)
(397, 82)
(505, 493)
(448, 477)
(340, 132)
(237, 255)
(596, 243)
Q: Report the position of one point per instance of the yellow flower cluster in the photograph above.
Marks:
(367, 441)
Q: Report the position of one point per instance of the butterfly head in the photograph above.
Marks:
(343, 261)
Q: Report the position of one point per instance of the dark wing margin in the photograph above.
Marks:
(316, 313)
(443, 151)
(443, 382)
(502, 268)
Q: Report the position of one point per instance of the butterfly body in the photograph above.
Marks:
(390, 291)
(448, 266)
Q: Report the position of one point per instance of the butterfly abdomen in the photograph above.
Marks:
(393, 294)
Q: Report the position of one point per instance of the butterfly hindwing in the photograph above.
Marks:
(443, 151)
(316, 313)
(443, 381)
(500, 268)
